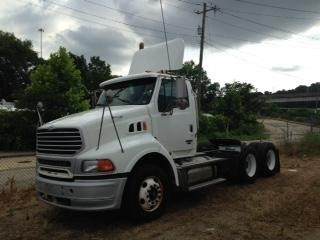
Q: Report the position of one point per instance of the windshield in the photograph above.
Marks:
(133, 92)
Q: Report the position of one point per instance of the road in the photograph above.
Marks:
(280, 131)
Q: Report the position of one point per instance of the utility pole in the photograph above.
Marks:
(41, 30)
(203, 12)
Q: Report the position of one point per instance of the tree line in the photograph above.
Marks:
(65, 81)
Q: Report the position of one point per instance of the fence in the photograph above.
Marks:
(287, 131)
(17, 170)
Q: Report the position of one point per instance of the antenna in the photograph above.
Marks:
(165, 35)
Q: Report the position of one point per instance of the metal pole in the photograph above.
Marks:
(203, 12)
(202, 34)
(41, 30)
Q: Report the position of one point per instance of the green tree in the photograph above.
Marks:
(81, 64)
(98, 72)
(57, 83)
(17, 59)
(208, 90)
(239, 103)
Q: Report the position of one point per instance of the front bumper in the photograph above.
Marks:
(85, 195)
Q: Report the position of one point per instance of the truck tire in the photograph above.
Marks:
(248, 167)
(147, 193)
(269, 159)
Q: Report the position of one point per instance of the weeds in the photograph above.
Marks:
(309, 145)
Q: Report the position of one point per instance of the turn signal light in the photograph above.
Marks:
(105, 165)
(145, 126)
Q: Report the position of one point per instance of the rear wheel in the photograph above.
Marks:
(147, 193)
(248, 165)
(269, 159)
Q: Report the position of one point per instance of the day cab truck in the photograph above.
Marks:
(139, 144)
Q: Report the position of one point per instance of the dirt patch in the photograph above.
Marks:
(286, 206)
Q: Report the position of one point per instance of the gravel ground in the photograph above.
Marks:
(286, 206)
(21, 169)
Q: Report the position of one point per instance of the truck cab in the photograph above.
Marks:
(136, 147)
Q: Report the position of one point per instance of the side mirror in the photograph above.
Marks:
(182, 94)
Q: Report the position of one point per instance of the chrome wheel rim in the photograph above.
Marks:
(251, 165)
(271, 159)
(150, 194)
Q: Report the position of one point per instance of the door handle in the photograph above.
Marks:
(189, 141)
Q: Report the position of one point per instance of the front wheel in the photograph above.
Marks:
(147, 193)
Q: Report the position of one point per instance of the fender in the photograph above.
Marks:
(155, 149)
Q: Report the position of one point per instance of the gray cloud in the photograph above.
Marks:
(116, 46)
(286, 69)
(113, 46)
(223, 29)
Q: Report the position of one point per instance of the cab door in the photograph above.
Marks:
(175, 126)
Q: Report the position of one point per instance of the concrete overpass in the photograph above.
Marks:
(295, 100)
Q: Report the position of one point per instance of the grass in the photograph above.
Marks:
(308, 145)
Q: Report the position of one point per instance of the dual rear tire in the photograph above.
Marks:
(258, 159)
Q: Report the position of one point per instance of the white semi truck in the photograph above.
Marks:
(139, 145)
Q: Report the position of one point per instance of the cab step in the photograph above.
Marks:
(206, 184)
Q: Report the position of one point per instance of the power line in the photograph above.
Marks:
(244, 28)
(258, 32)
(116, 21)
(267, 26)
(102, 24)
(269, 15)
(178, 7)
(135, 15)
(191, 3)
(278, 7)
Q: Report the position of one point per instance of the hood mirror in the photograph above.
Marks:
(109, 96)
(40, 105)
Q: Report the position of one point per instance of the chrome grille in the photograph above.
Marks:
(62, 141)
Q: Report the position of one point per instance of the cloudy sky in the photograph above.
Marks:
(272, 44)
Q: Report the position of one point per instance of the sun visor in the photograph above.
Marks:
(155, 58)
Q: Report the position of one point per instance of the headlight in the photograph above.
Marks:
(103, 165)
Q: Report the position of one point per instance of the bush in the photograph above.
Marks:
(212, 126)
(17, 130)
(215, 126)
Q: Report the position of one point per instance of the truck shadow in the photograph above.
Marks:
(118, 220)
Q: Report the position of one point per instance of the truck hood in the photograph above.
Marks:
(93, 116)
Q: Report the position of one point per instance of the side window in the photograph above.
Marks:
(167, 99)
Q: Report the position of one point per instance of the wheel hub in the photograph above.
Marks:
(150, 194)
